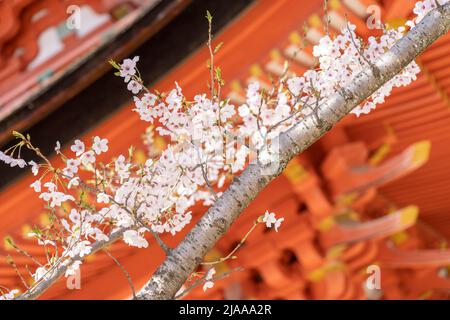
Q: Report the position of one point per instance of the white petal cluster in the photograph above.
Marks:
(10, 295)
(209, 283)
(208, 141)
(271, 221)
(12, 162)
(422, 8)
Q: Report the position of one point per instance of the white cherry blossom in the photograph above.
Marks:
(36, 186)
(128, 68)
(78, 147)
(208, 141)
(271, 221)
(72, 268)
(100, 145)
(209, 283)
(10, 295)
(134, 86)
(102, 198)
(88, 157)
(133, 238)
(34, 167)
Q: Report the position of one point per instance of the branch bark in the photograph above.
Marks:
(183, 260)
(39, 288)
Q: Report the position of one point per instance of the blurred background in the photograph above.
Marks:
(370, 199)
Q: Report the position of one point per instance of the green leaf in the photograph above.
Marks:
(9, 242)
(131, 151)
(217, 48)
(218, 73)
(208, 16)
(114, 64)
(18, 135)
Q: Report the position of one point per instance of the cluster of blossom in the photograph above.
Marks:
(209, 283)
(55, 187)
(422, 8)
(12, 161)
(340, 60)
(128, 72)
(271, 221)
(10, 295)
(209, 140)
(158, 192)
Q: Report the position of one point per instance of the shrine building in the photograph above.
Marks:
(370, 196)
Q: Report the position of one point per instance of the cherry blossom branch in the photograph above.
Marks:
(204, 167)
(42, 286)
(182, 261)
(361, 54)
(158, 239)
(331, 102)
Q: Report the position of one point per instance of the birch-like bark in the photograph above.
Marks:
(183, 260)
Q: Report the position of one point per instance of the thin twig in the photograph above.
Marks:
(25, 253)
(211, 54)
(327, 17)
(125, 272)
(203, 280)
(205, 172)
(374, 68)
(161, 243)
(14, 266)
(239, 245)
